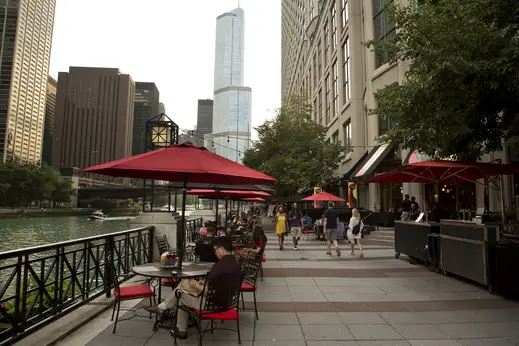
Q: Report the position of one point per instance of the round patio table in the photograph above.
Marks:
(189, 270)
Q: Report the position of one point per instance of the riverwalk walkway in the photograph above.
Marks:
(308, 298)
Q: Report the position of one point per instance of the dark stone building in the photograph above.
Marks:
(204, 122)
(146, 107)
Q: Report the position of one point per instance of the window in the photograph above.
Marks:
(384, 125)
(344, 14)
(335, 137)
(335, 103)
(327, 42)
(314, 70)
(334, 27)
(327, 100)
(384, 29)
(316, 110)
(319, 110)
(319, 58)
(346, 129)
(346, 71)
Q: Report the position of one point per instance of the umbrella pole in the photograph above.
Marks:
(225, 221)
(216, 216)
(180, 235)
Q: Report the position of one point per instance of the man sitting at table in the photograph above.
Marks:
(192, 289)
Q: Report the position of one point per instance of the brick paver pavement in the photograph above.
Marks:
(308, 298)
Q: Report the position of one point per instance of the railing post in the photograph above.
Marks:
(109, 265)
(139, 247)
(151, 236)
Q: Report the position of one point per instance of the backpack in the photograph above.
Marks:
(356, 228)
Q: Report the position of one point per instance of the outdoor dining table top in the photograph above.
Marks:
(189, 270)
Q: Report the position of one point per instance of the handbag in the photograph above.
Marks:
(356, 229)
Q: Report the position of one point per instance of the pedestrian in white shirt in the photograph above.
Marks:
(355, 232)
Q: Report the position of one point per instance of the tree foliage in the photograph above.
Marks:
(294, 149)
(461, 93)
(22, 184)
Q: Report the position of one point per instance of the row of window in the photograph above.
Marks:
(346, 137)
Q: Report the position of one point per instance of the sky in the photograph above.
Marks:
(171, 43)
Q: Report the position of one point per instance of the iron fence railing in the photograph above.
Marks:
(42, 283)
(192, 226)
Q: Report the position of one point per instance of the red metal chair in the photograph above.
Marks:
(251, 268)
(127, 292)
(209, 311)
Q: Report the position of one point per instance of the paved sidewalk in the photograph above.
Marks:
(308, 298)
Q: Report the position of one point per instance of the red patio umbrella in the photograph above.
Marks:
(253, 199)
(323, 196)
(443, 172)
(226, 193)
(447, 172)
(186, 163)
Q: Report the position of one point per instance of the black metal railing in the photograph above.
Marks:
(42, 283)
(192, 226)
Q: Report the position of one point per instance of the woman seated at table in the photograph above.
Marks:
(259, 240)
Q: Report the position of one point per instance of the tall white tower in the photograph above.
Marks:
(232, 100)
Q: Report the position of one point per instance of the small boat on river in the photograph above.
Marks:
(97, 215)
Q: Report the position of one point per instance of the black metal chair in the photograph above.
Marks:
(209, 310)
(126, 292)
(251, 269)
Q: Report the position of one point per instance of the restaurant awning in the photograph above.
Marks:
(346, 177)
(369, 166)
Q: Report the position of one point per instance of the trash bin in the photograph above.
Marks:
(507, 269)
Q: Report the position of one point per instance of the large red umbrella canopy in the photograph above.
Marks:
(184, 162)
(227, 193)
(323, 196)
(253, 199)
(443, 172)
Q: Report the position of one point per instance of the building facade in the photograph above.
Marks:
(25, 47)
(162, 108)
(231, 128)
(323, 59)
(94, 117)
(48, 130)
(146, 107)
(204, 120)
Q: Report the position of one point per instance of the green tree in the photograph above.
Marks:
(63, 191)
(461, 95)
(294, 149)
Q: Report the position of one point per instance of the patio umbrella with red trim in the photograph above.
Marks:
(186, 163)
(324, 196)
(443, 172)
(253, 199)
(448, 172)
(226, 194)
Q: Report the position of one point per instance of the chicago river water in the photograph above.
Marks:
(22, 233)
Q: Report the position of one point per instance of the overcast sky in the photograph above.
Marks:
(171, 43)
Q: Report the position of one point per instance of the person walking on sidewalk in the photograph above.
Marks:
(355, 232)
(281, 225)
(330, 223)
(296, 224)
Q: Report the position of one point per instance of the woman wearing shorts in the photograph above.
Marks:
(330, 224)
(354, 221)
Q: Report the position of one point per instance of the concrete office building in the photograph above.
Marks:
(25, 47)
(232, 100)
(50, 110)
(146, 107)
(204, 120)
(324, 60)
(94, 117)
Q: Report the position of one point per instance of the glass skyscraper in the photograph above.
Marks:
(232, 100)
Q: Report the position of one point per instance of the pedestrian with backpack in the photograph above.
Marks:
(355, 232)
